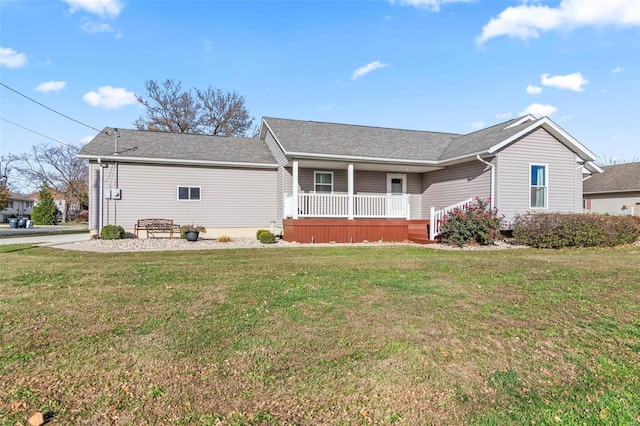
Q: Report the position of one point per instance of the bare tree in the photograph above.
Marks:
(210, 111)
(612, 160)
(56, 166)
(223, 114)
(169, 109)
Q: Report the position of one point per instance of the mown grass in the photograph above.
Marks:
(340, 335)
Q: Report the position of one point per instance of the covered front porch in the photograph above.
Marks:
(333, 201)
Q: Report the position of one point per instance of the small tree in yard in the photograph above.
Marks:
(4, 197)
(478, 223)
(45, 212)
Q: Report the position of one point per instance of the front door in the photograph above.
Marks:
(396, 187)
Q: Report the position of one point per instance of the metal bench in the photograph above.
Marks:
(153, 226)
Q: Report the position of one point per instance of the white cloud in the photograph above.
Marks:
(477, 124)
(51, 86)
(432, 5)
(527, 21)
(504, 115)
(618, 70)
(533, 90)
(11, 59)
(110, 97)
(539, 110)
(573, 81)
(367, 69)
(94, 27)
(104, 8)
(86, 140)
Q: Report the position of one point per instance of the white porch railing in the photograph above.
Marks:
(436, 216)
(371, 206)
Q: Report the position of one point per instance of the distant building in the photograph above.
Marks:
(19, 207)
(616, 190)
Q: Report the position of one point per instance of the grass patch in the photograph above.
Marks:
(335, 335)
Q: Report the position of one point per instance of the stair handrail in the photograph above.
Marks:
(436, 216)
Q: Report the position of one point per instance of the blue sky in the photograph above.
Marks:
(439, 65)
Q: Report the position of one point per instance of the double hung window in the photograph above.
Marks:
(539, 186)
(323, 182)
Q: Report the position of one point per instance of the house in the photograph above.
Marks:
(616, 190)
(19, 207)
(333, 182)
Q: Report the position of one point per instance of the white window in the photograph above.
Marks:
(323, 182)
(539, 186)
(189, 193)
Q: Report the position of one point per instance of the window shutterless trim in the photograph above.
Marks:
(545, 186)
(316, 184)
(189, 189)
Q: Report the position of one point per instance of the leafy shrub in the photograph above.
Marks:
(259, 232)
(478, 223)
(112, 232)
(186, 228)
(224, 239)
(267, 238)
(558, 230)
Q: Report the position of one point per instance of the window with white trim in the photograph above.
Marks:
(539, 186)
(188, 193)
(323, 182)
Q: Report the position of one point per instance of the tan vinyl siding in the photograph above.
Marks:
(615, 203)
(229, 197)
(277, 153)
(513, 174)
(94, 190)
(454, 184)
(578, 186)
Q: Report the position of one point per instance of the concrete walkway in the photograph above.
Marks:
(49, 236)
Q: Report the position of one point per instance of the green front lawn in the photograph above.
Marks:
(341, 335)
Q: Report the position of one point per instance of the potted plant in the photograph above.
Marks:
(191, 232)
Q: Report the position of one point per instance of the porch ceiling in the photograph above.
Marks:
(379, 167)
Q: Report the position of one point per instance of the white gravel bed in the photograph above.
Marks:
(167, 244)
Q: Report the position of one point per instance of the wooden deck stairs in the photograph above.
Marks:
(418, 232)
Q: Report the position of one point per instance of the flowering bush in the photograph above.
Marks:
(477, 223)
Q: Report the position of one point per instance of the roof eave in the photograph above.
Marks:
(334, 157)
(177, 161)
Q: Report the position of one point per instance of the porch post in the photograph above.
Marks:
(350, 190)
(295, 189)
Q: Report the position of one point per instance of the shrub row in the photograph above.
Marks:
(558, 230)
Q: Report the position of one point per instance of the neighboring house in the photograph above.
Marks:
(616, 190)
(333, 182)
(19, 207)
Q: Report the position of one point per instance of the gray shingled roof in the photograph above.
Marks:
(179, 146)
(619, 178)
(482, 140)
(312, 137)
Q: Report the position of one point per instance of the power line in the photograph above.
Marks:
(33, 131)
(50, 109)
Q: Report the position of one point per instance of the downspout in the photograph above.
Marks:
(493, 180)
(100, 196)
